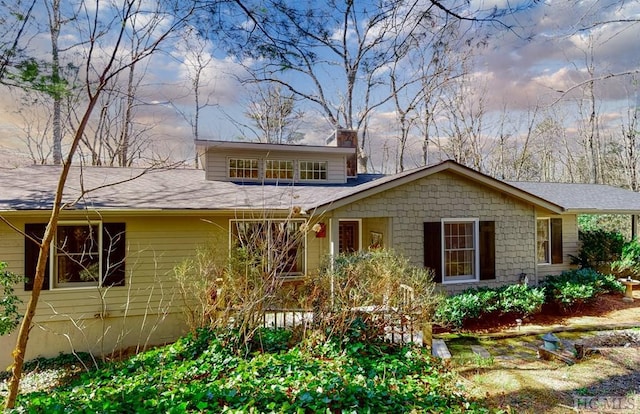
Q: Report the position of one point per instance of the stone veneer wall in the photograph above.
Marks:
(446, 195)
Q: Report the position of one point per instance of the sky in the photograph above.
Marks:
(546, 51)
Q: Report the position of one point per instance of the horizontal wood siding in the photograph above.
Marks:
(570, 246)
(216, 162)
(154, 247)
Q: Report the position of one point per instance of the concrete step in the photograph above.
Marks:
(439, 349)
(480, 351)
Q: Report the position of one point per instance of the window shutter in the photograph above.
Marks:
(31, 253)
(556, 241)
(114, 252)
(433, 249)
(487, 250)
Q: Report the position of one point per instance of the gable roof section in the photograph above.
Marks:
(585, 198)
(354, 194)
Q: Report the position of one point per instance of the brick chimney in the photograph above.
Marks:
(348, 138)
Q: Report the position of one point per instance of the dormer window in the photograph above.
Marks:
(243, 168)
(313, 170)
(278, 170)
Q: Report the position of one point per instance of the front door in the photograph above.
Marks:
(349, 234)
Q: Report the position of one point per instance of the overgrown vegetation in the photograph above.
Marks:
(517, 300)
(599, 249)
(576, 287)
(9, 315)
(204, 372)
(629, 262)
(379, 282)
(351, 293)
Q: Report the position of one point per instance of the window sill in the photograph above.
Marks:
(459, 282)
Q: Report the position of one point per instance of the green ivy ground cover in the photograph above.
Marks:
(206, 373)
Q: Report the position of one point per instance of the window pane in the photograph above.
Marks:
(243, 168)
(77, 255)
(313, 170)
(460, 251)
(543, 240)
(273, 245)
(279, 169)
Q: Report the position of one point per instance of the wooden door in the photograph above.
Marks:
(349, 235)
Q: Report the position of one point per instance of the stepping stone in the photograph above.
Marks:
(439, 349)
(479, 350)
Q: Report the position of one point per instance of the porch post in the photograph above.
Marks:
(634, 226)
(334, 248)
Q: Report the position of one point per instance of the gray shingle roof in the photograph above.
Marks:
(32, 188)
(585, 198)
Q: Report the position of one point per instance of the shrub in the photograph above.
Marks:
(629, 262)
(599, 248)
(375, 281)
(9, 315)
(576, 287)
(522, 300)
(473, 303)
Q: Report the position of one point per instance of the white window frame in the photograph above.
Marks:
(548, 255)
(268, 222)
(53, 255)
(279, 169)
(257, 169)
(475, 277)
(313, 170)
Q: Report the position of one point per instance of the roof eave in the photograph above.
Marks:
(235, 145)
(451, 166)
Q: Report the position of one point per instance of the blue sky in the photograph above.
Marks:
(547, 51)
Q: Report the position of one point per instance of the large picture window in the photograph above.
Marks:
(82, 255)
(460, 250)
(274, 245)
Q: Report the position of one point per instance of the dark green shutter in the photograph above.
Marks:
(487, 250)
(114, 252)
(31, 253)
(433, 249)
(556, 241)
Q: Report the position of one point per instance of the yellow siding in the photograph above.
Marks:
(155, 245)
(570, 246)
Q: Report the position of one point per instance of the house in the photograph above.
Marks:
(109, 282)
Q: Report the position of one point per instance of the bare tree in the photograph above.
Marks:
(104, 59)
(273, 113)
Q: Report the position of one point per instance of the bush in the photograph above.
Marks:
(520, 300)
(376, 281)
(629, 262)
(9, 316)
(576, 287)
(599, 248)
